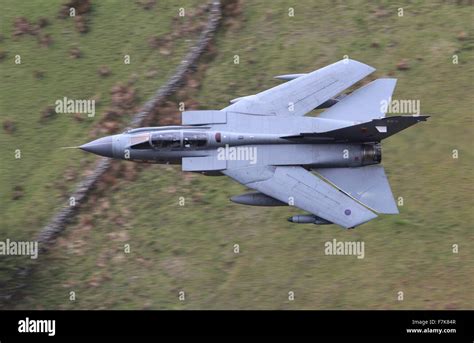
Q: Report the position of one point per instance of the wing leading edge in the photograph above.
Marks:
(304, 93)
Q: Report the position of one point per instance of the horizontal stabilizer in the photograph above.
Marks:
(368, 185)
(372, 131)
(366, 103)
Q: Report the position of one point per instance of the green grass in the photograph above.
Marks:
(190, 247)
(116, 29)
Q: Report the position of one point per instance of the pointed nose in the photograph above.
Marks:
(101, 146)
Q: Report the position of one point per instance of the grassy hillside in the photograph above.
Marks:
(34, 186)
(189, 248)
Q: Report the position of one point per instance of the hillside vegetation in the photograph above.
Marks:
(35, 185)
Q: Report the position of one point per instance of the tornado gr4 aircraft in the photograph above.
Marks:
(328, 166)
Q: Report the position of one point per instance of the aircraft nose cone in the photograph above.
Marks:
(101, 146)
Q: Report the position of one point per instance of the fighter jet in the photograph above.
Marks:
(327, 165)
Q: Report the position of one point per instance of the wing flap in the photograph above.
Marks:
(368, 185)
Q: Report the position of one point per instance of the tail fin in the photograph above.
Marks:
(368, 185)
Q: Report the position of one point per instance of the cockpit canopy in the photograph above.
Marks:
(169, 140)
(166, 140)
(194, 139)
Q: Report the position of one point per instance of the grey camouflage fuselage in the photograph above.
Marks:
(265, 142)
